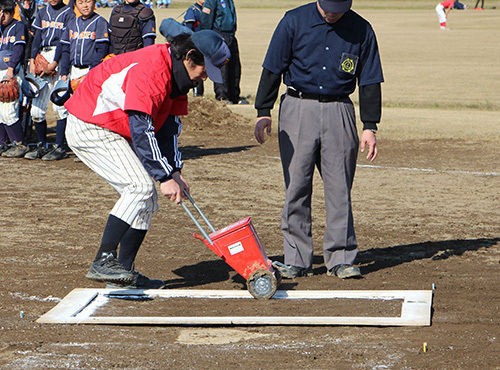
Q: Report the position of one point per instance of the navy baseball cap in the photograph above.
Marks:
(335, 6)
(214, 50)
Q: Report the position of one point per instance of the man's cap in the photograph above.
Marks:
(214, 50)
(335, 6)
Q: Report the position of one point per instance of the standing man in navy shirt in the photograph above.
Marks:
(321, 49)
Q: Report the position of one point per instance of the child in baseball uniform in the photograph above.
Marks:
(443, 9)
(13, 43)
(50, 23)
(84, 43)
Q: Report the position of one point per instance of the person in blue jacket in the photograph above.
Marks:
(220, 16)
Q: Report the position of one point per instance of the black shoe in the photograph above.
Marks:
(291, 272)
(3, 148)
(140, 282)
(55, 154)
(38, 152)
(344, 271)
(107, 268)
(17, 150)
(243, 101)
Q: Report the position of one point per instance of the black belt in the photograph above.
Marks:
(81, 67)
(48, 48)
(319, 97)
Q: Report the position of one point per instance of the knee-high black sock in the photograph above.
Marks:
(60, 135)
(41, 131)
(113, 233)
(129, 246)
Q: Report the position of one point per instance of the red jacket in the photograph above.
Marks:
(140, 80)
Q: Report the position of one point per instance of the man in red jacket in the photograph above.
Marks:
(123, 123)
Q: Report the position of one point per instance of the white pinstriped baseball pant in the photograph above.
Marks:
(9, 112)
(40, 104)
(111, 157)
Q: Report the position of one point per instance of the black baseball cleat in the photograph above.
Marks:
(107, 268)
(38, 152)
(55, 154)
(140, 282)
(345, 272)
(291, 272)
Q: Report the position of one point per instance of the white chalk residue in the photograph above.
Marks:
(99, 301)
(26, 297)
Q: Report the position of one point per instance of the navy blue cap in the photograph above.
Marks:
(215, 51)
(335, 6)
(170, 28)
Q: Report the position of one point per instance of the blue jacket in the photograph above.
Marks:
(218, 15)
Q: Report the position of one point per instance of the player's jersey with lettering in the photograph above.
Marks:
(82, 35)
(135, 81)
(12, 34)
(51, 22)
(13, 38)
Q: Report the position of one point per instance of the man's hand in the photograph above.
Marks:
(368, 138)
(182, 183)
(174, 188)
(262, 124)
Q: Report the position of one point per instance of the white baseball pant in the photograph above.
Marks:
(112, 157)
(40, 104)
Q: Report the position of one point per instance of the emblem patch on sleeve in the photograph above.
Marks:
(348, 63)
(206, 10)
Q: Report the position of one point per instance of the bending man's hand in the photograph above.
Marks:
(263, 124)
(174, 188)
(368, 138)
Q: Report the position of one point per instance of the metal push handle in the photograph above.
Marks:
(190, 214)
(199, 211)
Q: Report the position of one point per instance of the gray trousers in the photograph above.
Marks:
(323, 135)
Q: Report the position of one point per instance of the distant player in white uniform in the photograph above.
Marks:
(49, 25)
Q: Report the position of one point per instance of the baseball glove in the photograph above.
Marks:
(9, 90)
(74, 83)
(41, 66)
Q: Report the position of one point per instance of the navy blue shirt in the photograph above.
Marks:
(316, 57)
(84, 36)
(49, 26)
(13, 43)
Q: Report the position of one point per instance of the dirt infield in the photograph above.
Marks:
(426, 212)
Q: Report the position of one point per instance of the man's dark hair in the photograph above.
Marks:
(181, 45)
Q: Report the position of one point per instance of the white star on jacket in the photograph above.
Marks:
(112, 96)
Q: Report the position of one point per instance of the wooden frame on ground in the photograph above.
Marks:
(77, 308)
